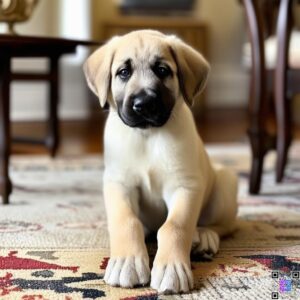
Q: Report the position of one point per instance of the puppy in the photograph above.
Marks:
(158, 177)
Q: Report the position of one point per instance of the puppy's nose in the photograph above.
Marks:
(145, 104)
(142, 105)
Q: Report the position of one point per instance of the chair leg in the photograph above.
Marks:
(256, 164)
(261, 143)
(258, 102)
(284, 139)
(283, 119)
(256, 174)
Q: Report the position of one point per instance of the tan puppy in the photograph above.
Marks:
(157, 173)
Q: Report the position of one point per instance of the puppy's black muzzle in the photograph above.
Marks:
(147, 108)
(146, 104)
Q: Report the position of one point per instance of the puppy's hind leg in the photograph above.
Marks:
(218, 218)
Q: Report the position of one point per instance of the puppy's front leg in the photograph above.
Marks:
(171, 271)
(129, 262)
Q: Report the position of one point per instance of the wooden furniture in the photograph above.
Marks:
(25, 46)
(193, 31)
(278, 85)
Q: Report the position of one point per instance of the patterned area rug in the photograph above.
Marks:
(54, 244)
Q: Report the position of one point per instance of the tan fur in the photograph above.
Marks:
(158, 178)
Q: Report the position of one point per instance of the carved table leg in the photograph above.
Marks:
(5, 184)
(52, 140)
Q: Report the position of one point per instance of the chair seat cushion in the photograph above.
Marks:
(271, 52)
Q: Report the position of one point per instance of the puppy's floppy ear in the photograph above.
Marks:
(97, 70)
(192, 68)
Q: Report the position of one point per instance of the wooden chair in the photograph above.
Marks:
(273, 87)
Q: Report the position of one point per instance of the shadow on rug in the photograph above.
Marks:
(54, 243)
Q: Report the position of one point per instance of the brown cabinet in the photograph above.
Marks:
(192, 31)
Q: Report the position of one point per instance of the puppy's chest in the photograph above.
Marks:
(151, 183)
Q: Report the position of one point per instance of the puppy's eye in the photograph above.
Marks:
(124, 73)
(162, 71)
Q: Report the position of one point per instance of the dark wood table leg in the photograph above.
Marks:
(282, 103)
(5, 184)
(259, 139)
(52, 140)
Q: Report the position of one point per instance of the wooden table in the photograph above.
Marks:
(29, 47)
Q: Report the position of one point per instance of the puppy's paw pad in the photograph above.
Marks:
(127, 272)
(172, 278)
(205, 242)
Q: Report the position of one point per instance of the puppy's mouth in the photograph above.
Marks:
(144, 122)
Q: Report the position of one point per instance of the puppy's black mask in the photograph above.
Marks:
(150, 101)
(149, 107)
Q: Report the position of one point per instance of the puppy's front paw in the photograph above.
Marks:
(172, 278)
(127, 271)
(205, 242)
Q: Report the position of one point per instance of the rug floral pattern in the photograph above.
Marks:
(54, 243)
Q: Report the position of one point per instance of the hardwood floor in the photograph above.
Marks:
(84, 137)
